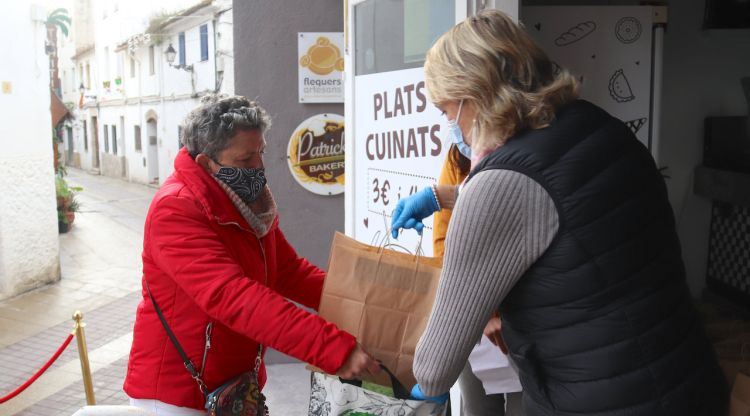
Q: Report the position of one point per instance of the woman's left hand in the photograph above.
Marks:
(493, 331)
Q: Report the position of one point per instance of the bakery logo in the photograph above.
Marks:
(316, 154)
(321, 64)
(323, 57)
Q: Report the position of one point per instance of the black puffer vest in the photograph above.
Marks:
(603, 323)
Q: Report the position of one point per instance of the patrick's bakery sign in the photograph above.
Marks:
(316, 154)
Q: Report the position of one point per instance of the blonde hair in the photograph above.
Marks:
(492, 62)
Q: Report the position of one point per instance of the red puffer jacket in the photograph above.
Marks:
(203, 264)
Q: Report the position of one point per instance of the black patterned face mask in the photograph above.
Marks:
(247, 183)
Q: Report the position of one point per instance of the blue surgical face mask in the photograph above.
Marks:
(457, 136)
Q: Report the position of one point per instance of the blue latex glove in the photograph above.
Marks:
(410, 211)
(417, 394)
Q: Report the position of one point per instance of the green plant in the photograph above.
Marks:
(74, 205)
(67, 205)
(156, 25)
(64, 190)
(60, 19)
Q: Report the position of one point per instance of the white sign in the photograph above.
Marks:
(320, 63)
(315, 154)
(608, 48)
(399, 148)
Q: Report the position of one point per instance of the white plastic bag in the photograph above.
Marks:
(330, 397)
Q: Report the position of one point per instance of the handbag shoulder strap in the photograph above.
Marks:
(185, 360)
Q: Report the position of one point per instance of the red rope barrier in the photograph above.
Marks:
(33, 378)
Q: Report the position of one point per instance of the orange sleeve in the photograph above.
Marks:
(449, 175)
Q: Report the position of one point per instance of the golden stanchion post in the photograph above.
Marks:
(83, 354)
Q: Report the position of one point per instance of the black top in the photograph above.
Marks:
(603, 323)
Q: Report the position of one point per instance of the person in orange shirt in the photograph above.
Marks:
(455, 169)
(474, 400)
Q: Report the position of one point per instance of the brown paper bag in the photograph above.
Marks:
(383, 298)
(739, 402)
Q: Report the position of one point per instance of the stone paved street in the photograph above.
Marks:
(101, 271)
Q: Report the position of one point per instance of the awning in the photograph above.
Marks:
(58, 109)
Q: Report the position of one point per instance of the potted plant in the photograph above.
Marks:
(118, 81)
(105, 84)
(67, 205)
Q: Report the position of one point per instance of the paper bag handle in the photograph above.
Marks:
(385, 241)
(399, 391)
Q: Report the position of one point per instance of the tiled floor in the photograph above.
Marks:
(101, 271)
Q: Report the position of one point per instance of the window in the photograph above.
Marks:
(132, 67)
(88, 76)
(204, 42)
(137, 138)
(106, 139)
(181, 43)
(85, 137)
(120, 64)
(65, 81)
(179, 138)
(392, 35)
(107, 75)
(114, 139)
(151, 69)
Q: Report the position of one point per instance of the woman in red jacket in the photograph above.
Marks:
(215, 260)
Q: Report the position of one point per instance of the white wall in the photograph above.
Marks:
(172, 116)
(29, 248)
(225, 51)
(178, 82)
(169, 93)
(701, 78)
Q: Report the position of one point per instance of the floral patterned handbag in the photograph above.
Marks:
(239, 396)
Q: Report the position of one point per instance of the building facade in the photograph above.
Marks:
(29, 247)
(266, 66)
(131, 100)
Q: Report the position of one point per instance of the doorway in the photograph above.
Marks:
(153, 151)
(71, 147)
(94, 143)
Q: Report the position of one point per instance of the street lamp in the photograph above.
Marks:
(171, 55)
(81, 88)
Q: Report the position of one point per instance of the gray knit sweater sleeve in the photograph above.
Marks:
(503, 222)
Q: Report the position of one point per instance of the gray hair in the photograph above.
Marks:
(208, 128)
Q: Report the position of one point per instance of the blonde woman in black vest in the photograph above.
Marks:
(564, 226)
